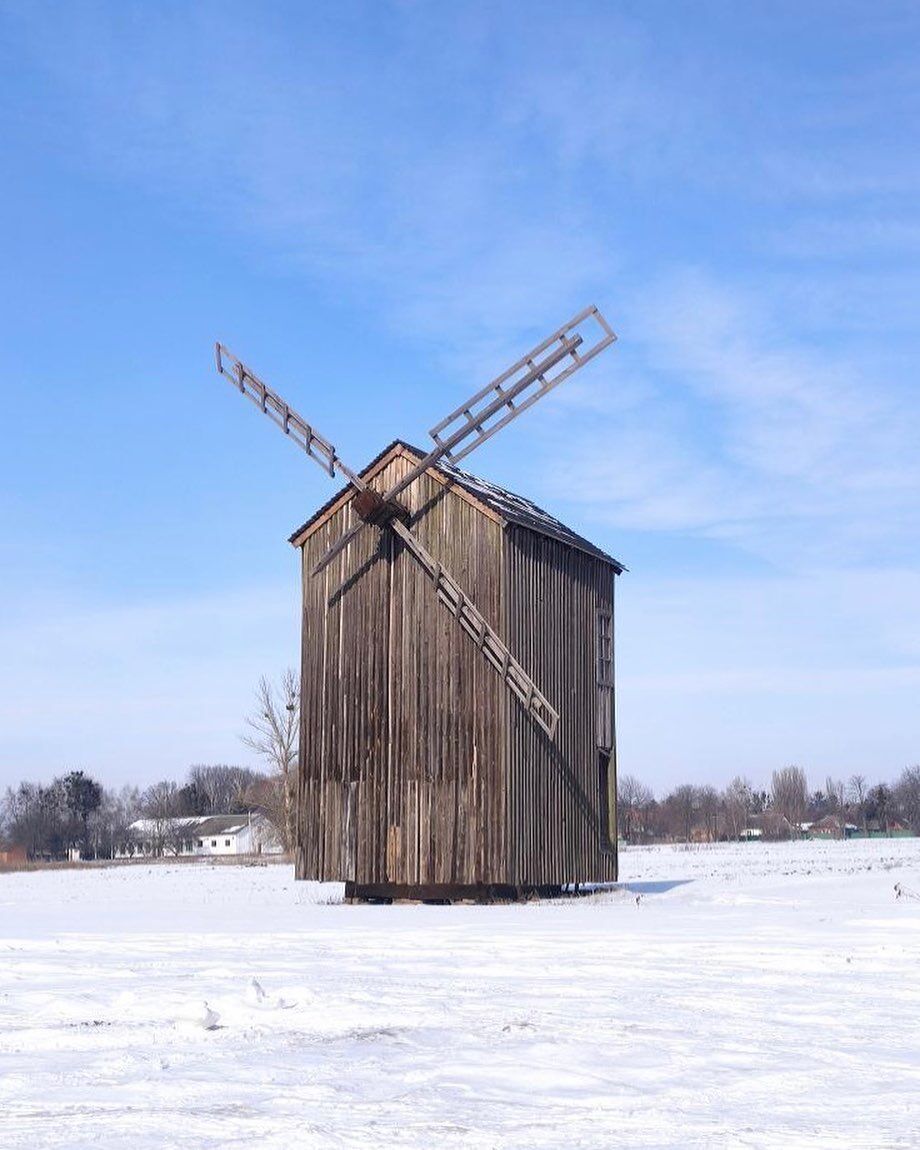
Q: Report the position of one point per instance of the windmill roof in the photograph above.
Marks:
(223, 825)
(198, 824)
(504, 504)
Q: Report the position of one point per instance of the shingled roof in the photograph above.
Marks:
(505, 505)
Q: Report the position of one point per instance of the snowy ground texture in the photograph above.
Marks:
(752, 995)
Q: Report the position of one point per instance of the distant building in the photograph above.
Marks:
(889, 828)
(769, 826)
(831, 827)
(202, 836)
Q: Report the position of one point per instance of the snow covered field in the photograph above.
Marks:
(751, 995)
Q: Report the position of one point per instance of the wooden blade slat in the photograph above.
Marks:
(584, 336)
(296, 428)
(270, 403)
(534, 375)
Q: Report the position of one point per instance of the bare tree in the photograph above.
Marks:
(790, 795)
(879, 805)
(709, 805)
(82, 798)
(836, 790)
(274, 728)
(21, 820)
(738, 803)
(180, 833)
(857, 794)
(682, 803)
(633, 799)
(170, 825)
(161, 805)
(110, 824)
(218, 789)
(37, 818)
(907, 796)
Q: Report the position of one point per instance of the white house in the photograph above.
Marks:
(201, 836)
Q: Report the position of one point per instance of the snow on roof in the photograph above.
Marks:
(523, 512)
(223, 825)
(200, 824)
(510, 507)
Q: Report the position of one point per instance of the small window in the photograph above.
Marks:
(201, 842)
(226, 842)
(603, 674)
(213, 842)
(604, 649)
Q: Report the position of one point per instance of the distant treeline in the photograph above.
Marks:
(75, 813)
(788, 809)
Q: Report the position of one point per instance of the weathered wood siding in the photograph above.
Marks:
(402, 775)
(552, 593)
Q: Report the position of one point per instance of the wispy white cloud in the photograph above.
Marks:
(386, 170)
(750, 435)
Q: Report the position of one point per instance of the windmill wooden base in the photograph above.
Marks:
(447, 893)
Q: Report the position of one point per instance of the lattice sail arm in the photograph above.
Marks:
(494, 651)
(534, 375)
(282, 414)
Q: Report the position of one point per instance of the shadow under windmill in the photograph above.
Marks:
(643, 888)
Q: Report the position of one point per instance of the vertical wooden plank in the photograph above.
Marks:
(554, 591)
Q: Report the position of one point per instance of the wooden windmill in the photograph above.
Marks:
(431, 764)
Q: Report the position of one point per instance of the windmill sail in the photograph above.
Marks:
(534, 375)
(448, 590)
(547, 365)
(280, 412)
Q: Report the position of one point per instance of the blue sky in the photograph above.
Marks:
(378, 206)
